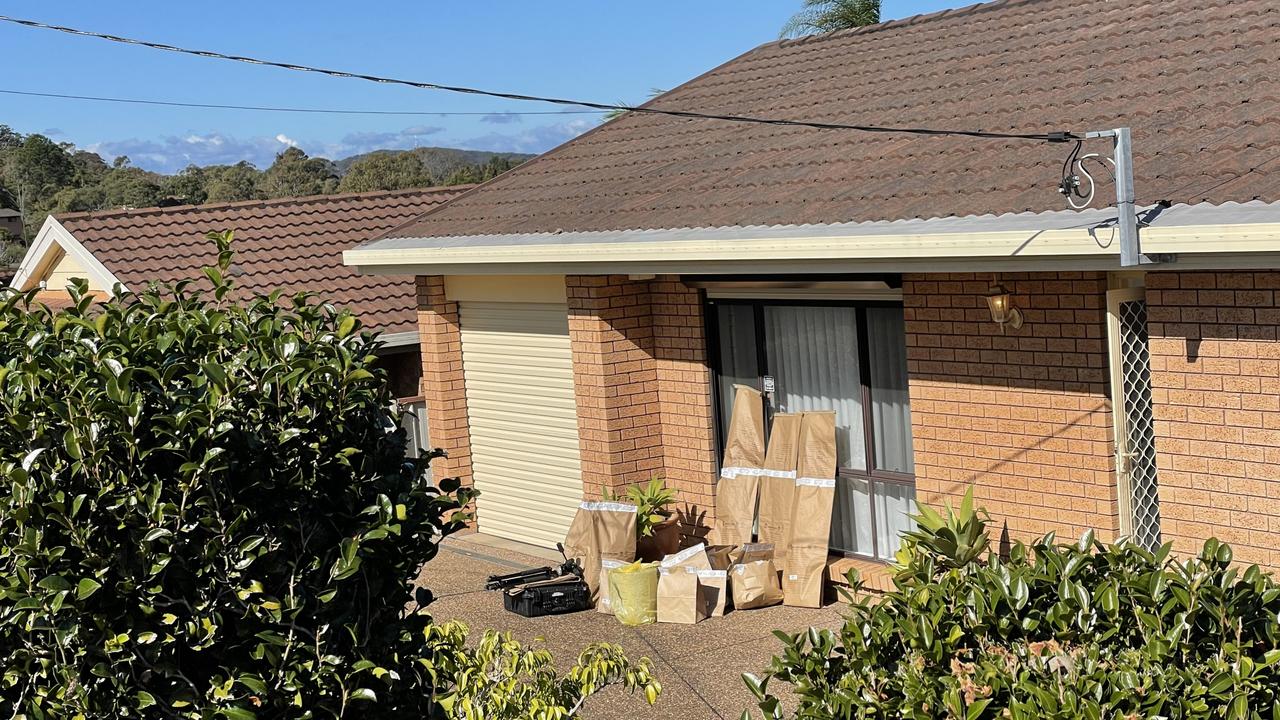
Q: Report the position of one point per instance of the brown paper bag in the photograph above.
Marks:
(740, 469)
(751, 552)
(694, 556)
(714, 585)
(605, 603)
(601, 531)
(722, 556)
(679, 597)
(778, 484)
(755, 585)
(806, 564)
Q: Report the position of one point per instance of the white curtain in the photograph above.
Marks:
(890, 405)
(739, 364)
(813, 357)
(812, 353)
(894, 503)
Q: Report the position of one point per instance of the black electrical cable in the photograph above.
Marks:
(267, 108)
(1039, 137)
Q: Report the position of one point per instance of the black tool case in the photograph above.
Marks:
(544, 591)
(562, 595)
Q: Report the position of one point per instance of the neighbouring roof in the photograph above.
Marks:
(7, 213)
(293, 244)
(1195, 79)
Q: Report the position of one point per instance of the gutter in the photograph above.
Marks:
(1092, 247)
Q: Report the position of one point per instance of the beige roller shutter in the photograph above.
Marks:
(524, 427)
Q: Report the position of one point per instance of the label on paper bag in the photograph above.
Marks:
(608, 507)
(683, 555)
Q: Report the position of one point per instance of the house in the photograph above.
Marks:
(584, 316)
(292, 244)
(10, 224)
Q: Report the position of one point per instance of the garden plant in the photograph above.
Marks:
(207, 512)
(1054, 630)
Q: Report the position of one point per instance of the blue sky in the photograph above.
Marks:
(590, 49)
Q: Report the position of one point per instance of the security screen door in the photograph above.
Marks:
(849, 358)
(1133, 417)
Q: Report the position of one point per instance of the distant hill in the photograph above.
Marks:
(59, 177)
(436, 161)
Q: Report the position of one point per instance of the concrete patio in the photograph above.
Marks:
(700, 666)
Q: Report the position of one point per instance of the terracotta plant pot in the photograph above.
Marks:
(664, 541)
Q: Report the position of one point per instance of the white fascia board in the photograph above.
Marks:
(54, 236)
(1081, 248)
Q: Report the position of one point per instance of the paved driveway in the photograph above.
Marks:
(700, 666)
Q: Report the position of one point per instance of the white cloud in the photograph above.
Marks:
(173, 153)
(505, 118)
(532, 140)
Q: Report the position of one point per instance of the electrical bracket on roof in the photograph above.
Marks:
(1131, 254)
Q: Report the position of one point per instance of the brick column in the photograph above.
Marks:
(685, 399)
(442, 380)
(615, 381)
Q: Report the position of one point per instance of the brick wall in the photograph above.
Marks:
(1023, 416)
(690, 460)
(619, 424)
(1216, 386)
(643, 387)
(442, 382)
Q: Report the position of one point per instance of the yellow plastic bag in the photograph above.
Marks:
(633, 593)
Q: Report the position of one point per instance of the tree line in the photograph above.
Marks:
(39, 177)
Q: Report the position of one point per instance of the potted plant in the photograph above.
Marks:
(657, 528)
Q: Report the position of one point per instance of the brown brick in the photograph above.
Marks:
(1217, 410)
(1027, 425)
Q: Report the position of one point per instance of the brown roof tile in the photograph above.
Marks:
(293, 244)
(1195, 79)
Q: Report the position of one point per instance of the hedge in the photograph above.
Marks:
(1054, 630)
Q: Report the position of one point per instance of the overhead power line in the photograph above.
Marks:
(1041, 137)
(267, 108)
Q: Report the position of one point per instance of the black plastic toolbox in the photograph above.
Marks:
(550, 597)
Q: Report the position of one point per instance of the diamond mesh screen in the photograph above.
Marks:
(1135, 368)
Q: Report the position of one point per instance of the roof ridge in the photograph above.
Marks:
(271, 202)
(900, 22)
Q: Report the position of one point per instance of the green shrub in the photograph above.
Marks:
(652, 501)
(207, 512)
(1078, 630)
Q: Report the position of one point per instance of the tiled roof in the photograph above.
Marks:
(292, 244)
(1196, 80)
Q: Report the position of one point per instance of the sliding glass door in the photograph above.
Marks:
(849, 358)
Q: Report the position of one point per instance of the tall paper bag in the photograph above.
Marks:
(740, 469)
(601, 531)
(778, 484)
(806, 565)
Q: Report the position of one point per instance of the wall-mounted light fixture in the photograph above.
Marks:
(1002, 310)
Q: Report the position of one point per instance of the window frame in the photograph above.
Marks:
(872, 473)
